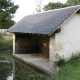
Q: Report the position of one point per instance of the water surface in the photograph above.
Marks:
(12, 68)
(6, 70)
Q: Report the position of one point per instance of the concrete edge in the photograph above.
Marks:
(27, 62)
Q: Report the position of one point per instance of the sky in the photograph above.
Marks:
(27, 7)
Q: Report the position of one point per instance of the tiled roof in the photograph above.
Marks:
(45, 22)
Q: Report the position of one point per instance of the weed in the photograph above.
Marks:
(61, 61)
(75, 57)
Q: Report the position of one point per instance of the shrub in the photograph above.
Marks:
(1, 36)
(5, 42)
(75, 57)
(61, 61)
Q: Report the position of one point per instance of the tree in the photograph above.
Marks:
(73, 2)
(52, 5)
(39, 5)
(7, 11)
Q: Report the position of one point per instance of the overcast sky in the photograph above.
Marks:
(27, 7)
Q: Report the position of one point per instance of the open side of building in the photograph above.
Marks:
(38, 38)
(29, 43)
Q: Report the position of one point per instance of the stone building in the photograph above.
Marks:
(47, 34)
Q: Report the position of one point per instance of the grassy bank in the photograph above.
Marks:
(70, 71)
(5, 42)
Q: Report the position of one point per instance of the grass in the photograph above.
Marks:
(5, 42)
(70, 71)
(7, 55)
(5, 45)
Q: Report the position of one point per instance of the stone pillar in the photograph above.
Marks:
(13, 43)
(51, 53)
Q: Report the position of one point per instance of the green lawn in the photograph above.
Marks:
(70, 71)
(6, 42)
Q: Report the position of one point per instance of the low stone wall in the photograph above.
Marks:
(5, 31)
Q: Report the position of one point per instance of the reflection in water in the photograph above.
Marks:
(25, 72)
(6, 70)
(10, 77)
(20, 71)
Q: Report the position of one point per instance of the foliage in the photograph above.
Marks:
(7, 11)
(5, 42)
(73, 2)
(52, 5)
(1, 36)
(61, 61)
(39, 4)
(75, 57)
(27, 73)
(70, 71)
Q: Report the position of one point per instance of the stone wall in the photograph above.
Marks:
(67, 42)
(5, 31)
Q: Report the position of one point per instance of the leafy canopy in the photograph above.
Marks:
(73, 2)
(52, 5)
(7, 11)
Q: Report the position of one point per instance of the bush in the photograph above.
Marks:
(70, 71)
(60, 62)
(75, 57)
(5, 42)
(1, 36)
